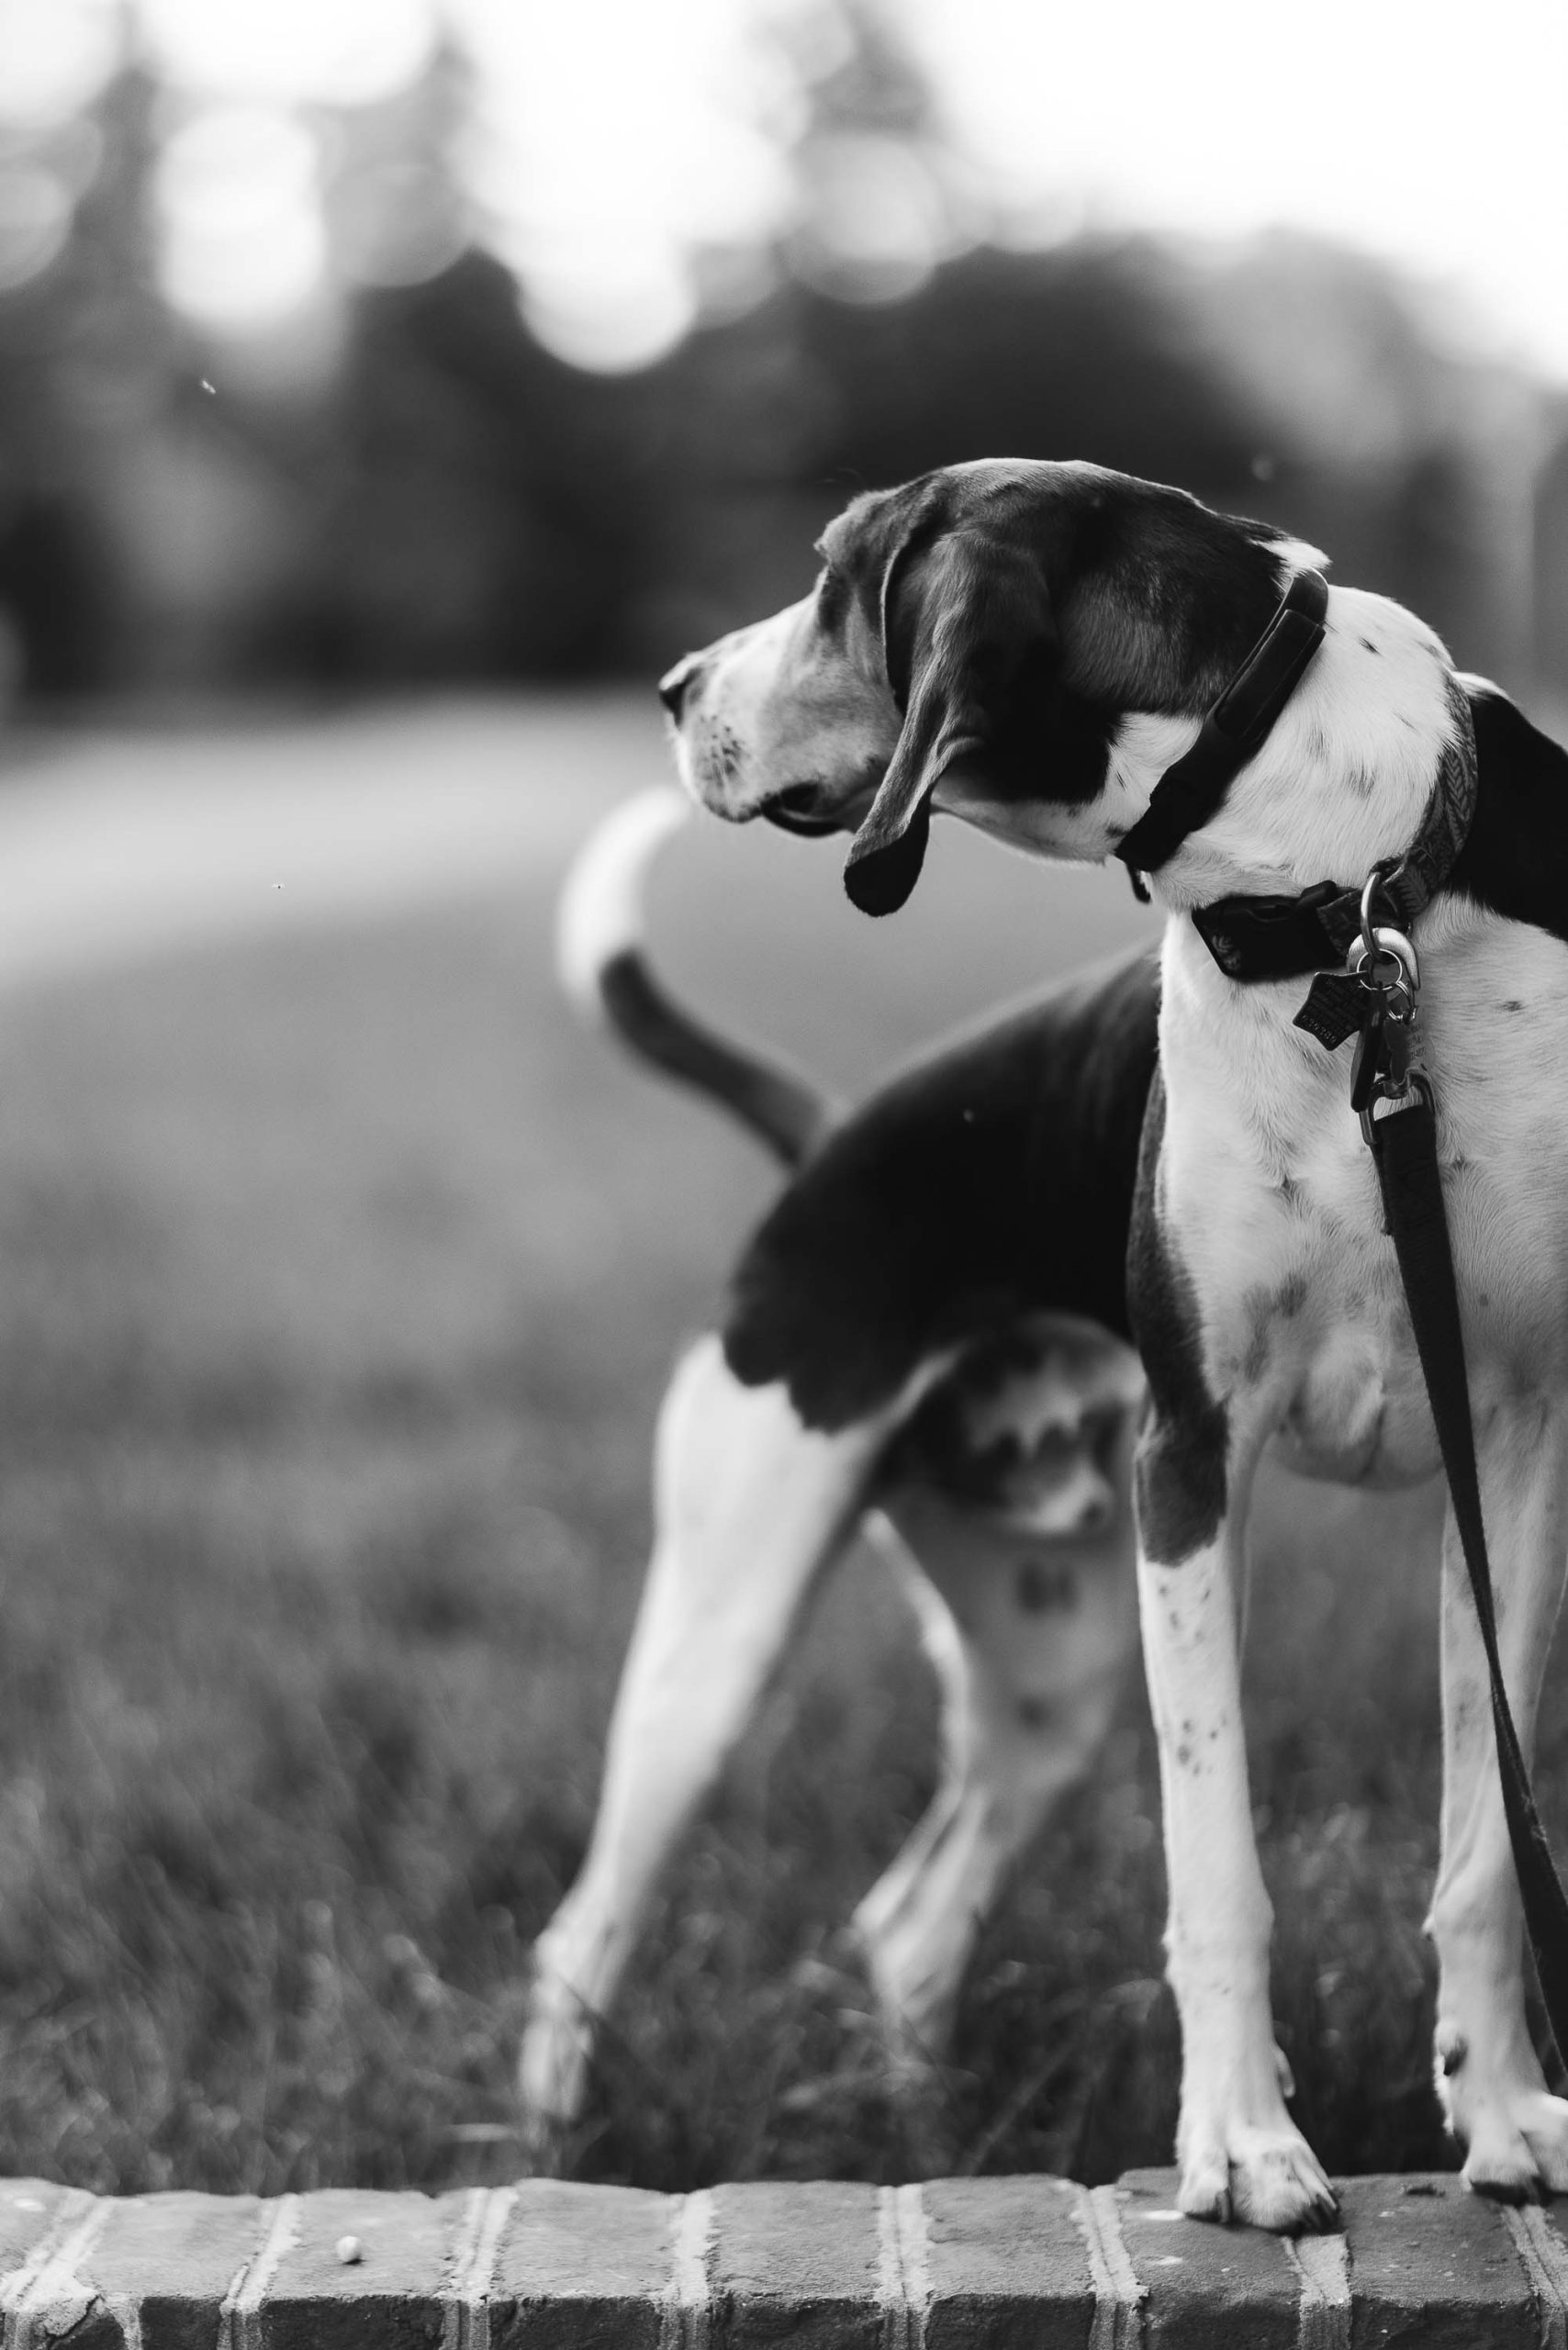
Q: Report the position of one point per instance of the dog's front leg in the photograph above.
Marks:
(1241, 2156)
(1488, 2075)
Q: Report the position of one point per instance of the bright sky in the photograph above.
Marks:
(614, 133)
(1434, 135)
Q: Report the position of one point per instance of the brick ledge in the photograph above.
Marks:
(1020, 2264)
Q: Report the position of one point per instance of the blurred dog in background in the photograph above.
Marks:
(926, 1342)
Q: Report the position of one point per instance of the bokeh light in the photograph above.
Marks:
(55, 55)
(607, 147)
(35, 219)
(242, 241)
(872, 222)
(334, 52)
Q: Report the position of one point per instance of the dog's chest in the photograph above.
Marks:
(1272, 1200)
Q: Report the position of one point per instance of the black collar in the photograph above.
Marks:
(1276, 938)
(1234, 731)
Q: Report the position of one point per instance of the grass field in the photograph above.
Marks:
(339, 1277)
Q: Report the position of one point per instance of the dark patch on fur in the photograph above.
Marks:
(1255, 1359)
(1291, 1297)
(1180, 1466)
(1034, 1712)
(1368, 646)
(991, 1179)
(1512, 1004)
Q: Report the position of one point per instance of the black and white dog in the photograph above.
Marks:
(1030, 646)
(926, 1340)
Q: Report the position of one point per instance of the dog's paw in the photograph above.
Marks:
(553, 2063)
(1266, 2175)
(1517, 2144)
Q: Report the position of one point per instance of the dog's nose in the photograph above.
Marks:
(674, 683)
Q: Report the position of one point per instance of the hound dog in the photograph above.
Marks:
(1030, 647)
(927, 1340)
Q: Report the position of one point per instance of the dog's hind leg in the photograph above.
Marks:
(750, 1506)
(1030, 1640)
(1488, 2075)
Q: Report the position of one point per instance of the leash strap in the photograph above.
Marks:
(1234, 731)
(1405, 1148)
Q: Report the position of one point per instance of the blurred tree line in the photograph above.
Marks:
(425, 492)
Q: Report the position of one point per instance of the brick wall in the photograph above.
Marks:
(1020, 2264)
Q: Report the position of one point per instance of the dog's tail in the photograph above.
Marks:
(603, 967)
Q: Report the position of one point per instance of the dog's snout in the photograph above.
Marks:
(674, 682)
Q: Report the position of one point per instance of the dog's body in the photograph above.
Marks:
(927, 1336)
(1030, 647)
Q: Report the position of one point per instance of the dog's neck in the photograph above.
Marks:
(1342, 779)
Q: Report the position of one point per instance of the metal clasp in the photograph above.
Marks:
(1385, 945)
(1385, 962)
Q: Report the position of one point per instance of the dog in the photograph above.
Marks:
(1031, 647)
(927, 1341)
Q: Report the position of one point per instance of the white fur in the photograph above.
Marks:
(601, 913)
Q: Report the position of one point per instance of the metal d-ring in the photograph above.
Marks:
(1383, 939)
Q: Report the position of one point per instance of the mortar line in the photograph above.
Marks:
(454, 2283)
(476, 2313)
(1323, 2311)
(283, 2233)
(1545, 2259)
(684, 2307)
(914, 2255)
(56, 2281)
(1118, 2296)
(19, 2281)
(264, 2217)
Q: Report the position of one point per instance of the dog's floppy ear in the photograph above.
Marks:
(964, 621)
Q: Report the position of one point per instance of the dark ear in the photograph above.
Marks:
(961, 623)
(1516, 857)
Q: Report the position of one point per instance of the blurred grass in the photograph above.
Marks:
(339, 1277)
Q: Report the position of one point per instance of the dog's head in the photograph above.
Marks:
(973, 643)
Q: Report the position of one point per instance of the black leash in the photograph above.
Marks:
(1403, 1144)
